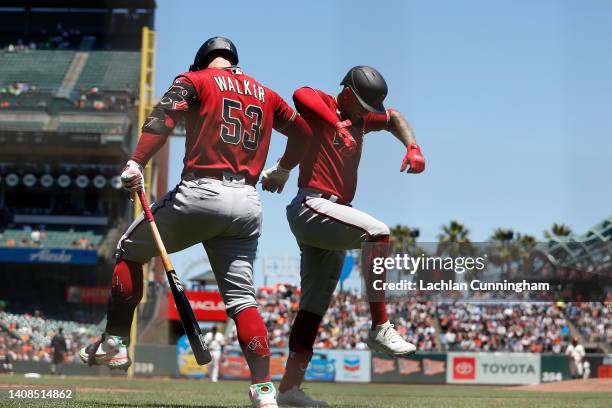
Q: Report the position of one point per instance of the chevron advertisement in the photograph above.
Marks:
(339, 366)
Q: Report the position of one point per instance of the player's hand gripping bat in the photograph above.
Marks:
(190, 324)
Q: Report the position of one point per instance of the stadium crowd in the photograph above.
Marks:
(519, 327)
(524, 327)
(27, 337)
(347, 321)
(594, 320)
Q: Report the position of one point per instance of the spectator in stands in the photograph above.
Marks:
(35, 237)
(83, 243)
(59, 347)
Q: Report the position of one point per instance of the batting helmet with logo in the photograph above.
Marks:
(369, 87)
(214, 44)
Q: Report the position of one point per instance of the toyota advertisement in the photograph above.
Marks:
(493, 368)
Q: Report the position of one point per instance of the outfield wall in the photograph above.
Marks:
(354, 366)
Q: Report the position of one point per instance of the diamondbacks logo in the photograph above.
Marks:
(464, 368)
(258, 345)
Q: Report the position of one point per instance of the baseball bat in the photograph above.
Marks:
(190, 324)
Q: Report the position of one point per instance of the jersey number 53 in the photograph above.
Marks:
(232, 113)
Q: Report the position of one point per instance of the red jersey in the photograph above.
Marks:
(228, 122)
(323, 167)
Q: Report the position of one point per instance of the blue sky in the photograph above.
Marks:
(510, 103)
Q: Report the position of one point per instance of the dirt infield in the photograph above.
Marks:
(589, 385)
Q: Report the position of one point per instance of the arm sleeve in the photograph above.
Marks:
(147, 146)
(170, 109)
(288, 122)
(298, 138)
(374, 122)
(309, 103)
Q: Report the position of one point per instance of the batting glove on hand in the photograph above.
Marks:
(350, 145)
(132, 178)
(274, 178)
(414, 159)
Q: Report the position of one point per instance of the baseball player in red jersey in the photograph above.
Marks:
(322, 219)
(229, 118)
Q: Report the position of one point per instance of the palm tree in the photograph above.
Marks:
(502, 250)
(403, 241)
(403, 238)
(454, 242)
(558, 231)
(454, 239)
(510, 250)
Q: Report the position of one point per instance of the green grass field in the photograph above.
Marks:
(115, 392)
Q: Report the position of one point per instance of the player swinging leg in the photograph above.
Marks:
(229, 118)
(322, 219)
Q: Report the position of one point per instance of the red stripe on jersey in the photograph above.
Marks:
(336, 219)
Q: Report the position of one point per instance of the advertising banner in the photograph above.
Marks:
(600, 365)
(339, 365)
(234, 366)
(493, 368)
(555, 368)
(87, 294)
(416, 369)
(207, 306)
(49, 255)
(187, 366)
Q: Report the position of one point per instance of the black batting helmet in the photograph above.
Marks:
(214, 44)
(369, 87)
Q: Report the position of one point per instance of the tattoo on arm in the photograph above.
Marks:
(400, 128)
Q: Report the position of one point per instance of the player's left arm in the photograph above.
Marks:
(401, 129)
(157, 127)
(394, 122)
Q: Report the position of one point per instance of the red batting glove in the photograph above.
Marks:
(350, 145)
(414, 158)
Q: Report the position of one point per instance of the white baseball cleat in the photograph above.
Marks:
(263, 395)
(110, 351)
(296, 397)
(386, 339)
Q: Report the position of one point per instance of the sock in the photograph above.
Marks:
(378, 308)
(253, 339)
(303, 334)
(126, 293)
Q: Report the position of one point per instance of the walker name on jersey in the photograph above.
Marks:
(241, 87)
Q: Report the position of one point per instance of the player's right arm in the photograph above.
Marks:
(310, 103)
(288, 122)
(157, 127)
